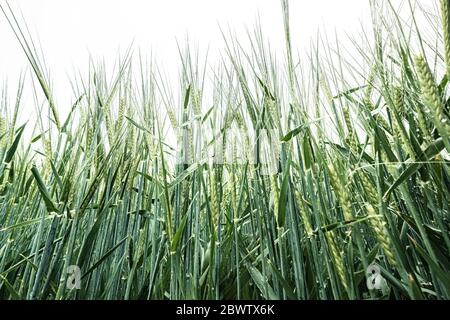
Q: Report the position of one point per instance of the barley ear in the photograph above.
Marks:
(336, 257)
(445, 16)
(3, 133)
(431, 96)
(341, 193)
(398, 125)
(382, 234)
(275, 194)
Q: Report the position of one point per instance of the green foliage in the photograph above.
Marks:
(126, 190)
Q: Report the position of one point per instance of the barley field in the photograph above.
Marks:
(267, 177)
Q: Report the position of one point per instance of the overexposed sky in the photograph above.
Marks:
(68, 30)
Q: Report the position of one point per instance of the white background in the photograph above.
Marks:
(70, 30)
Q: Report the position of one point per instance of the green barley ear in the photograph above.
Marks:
(427, 84)
(13, 124)
(172, 118)
(352, 138)
(397, 123)
(274, 112)
(303, 213)
(431, 96)
(347, 119)
(341, 192)
(423, 125)
(131, 134)
(109, 125)
(336, 256)
(445, 16)
(214, 196)
(370, 190)
(326, 89)
(3, 133)
(367, 99)
(120, 116)
(196, 103)
(381, 233)
(399, 101)
(89, 139)
(367, 96)
(48, 149)
(275, 194)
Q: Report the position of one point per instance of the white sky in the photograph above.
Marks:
(69, 30)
